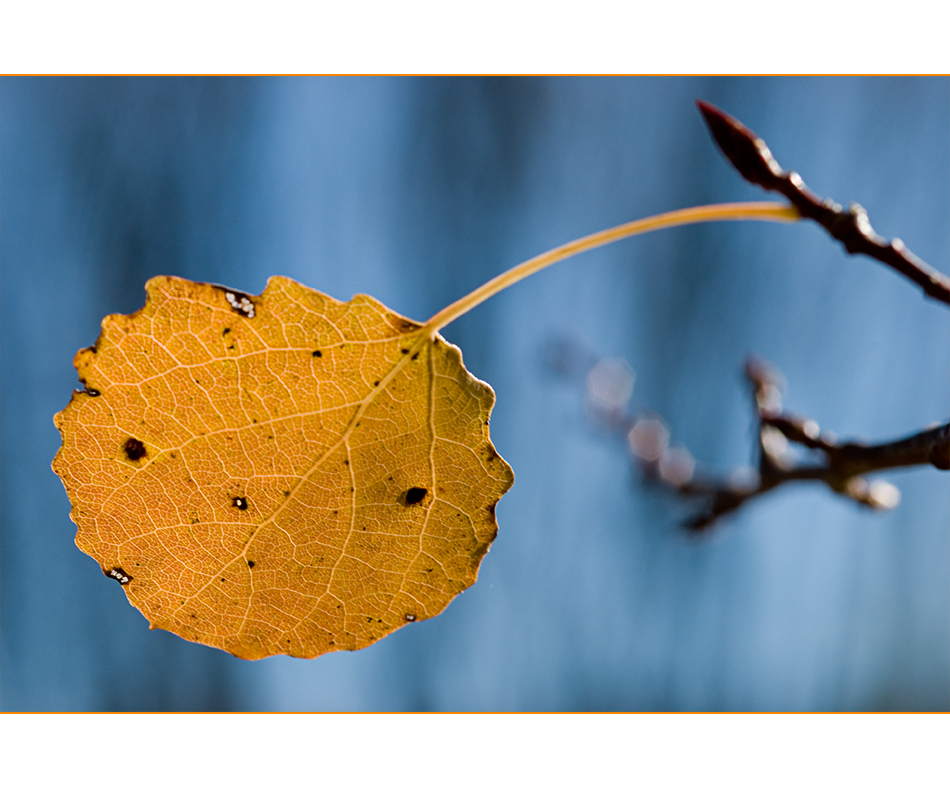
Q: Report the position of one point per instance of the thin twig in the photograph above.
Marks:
(841, 466)
(750, 155)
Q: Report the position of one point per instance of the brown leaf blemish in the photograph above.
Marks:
(402, 325)
(242, 303)
(134, 449)
(118, 574)
(413, 496)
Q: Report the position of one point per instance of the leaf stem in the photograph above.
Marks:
(759, 211)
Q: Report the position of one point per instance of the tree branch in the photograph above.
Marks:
(750, 155)
(841, 466)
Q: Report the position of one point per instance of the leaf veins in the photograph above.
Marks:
(354, 480)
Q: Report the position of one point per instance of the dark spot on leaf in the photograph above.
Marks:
(240, 503)
(375, 383)
(479, 552)
(134, 449)
(346, 462)
(413, 495)
(286, 493)
(222, 579)
(226, 332)
(405, 351)
(401, 324)
(242, 303)
(118, 574)
(91, 392)
(409, 617)
(415, 355)
(490, 509)
(251, 564)
(317, 353)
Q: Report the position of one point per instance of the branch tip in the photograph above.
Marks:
(749, 154)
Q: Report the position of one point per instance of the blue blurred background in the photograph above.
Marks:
(416, 191)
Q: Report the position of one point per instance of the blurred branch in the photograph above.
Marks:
(750, 155)
(840, 466)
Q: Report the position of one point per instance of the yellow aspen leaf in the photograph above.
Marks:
(279, 474)
(287, 473)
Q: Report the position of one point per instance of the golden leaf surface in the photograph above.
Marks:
(279, 474)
